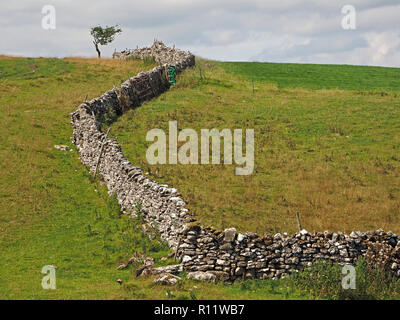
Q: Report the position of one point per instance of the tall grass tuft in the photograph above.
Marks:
(324, 280)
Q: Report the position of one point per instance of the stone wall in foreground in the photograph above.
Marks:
(226, 254)
(232, 255)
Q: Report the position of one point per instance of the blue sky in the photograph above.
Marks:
(253, 30)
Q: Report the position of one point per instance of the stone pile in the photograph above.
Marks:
(162, 54)
(208, 253)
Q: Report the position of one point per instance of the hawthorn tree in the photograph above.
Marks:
(103, 36)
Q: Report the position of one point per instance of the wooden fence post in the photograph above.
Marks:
(298, 221)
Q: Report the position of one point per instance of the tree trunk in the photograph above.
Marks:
(97, 49)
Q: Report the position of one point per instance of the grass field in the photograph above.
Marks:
(327, 148)
(317, 76)
(53, 213)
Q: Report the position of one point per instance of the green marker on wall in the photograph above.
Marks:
(171, 75)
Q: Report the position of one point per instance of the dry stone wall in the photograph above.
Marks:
(207, 252)
(232, 256)
(162, 54)
(161, 206)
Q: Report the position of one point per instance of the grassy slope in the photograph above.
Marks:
(331, 154)
(317, 76)
(46, 197)
(51, 212)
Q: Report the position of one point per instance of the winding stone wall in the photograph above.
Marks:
(224, 254)
(161, 206)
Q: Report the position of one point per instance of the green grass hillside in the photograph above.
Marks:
(317, 76)
(330, 154)
(51, 210)
(53, 213)
(48, 203)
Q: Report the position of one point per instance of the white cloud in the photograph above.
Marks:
(384, 46)
(284, 30)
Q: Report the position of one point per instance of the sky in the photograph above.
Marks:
(296, 31)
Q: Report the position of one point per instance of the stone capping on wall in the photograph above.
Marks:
(226, 254)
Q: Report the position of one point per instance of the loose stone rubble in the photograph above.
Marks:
(208, 254)
(172, 269)
(166, 279)
(61, 147)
